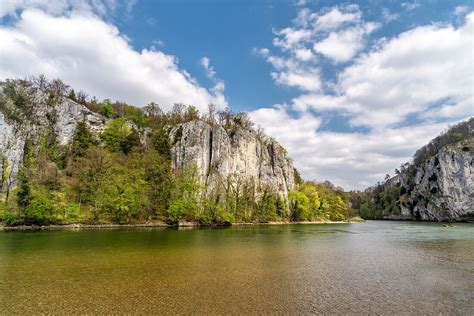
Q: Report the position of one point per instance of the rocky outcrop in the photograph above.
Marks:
(38, 118)
(238, 155)
(221, 155)
(439, 189)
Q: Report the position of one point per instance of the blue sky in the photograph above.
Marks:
(352, 88)
(227, 31)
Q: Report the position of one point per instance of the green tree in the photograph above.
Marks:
(159, 181)
(82, 140)
(40, 209)
(185, 196)
(115, 134)
(23, 193)
(299, 206)
(106, 109)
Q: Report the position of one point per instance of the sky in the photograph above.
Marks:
(351, 89)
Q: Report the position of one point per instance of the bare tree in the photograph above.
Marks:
(211, 113)
(225, 117)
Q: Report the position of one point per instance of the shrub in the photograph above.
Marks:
(39, 210)
(105, 108)
(456, 137)
(9, 219)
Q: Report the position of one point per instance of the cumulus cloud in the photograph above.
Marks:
(351, 160)
(397, 94)
(337, 16)
(91, 54)
(307, 80)
(104, 8)
(426, 68)
(343, 45)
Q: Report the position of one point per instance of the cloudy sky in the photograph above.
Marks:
(352, 89)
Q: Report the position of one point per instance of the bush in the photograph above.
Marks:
(105, 108)
(456, 137)
(9, 219)
(40, 209)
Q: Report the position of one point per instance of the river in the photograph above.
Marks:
(372, 267)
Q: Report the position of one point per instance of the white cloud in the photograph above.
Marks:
(104, 8)
(424, 75)
(292, 38)
(337, 16)
(291, 130)
(303, 54)
(388, 16)
(306, 81)
(211, 74)
(412, 73)
(92, 55)
(342, 46)
(321, 102)
(209, 69)
(350, 160)
(461, 10)
(410, 6)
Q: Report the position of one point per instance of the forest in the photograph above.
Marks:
(124, 174)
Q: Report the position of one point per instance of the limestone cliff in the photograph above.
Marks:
(29, 121)
(443, 187)
(439, 187)
(238, 154)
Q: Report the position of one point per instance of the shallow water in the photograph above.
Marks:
(372, 267)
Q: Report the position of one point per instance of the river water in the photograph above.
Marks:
(372, 267)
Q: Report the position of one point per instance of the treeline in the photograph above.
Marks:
(124, 174)
(454, 134)
(388, 197)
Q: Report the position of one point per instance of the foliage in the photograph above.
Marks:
(39, 210)
(185, 197)
(105, 109)
(320, 202)
(9, 219)
(124, 173)
(82, 140)
(453, 134)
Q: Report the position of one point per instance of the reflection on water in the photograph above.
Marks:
(373, 267)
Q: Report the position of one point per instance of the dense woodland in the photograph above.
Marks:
(124, 174)
(385, 198)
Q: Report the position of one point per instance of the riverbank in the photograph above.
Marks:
(159, 225)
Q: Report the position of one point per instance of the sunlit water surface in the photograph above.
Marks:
(372, 267)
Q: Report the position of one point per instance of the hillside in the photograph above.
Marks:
(438, 185)
(67, 158)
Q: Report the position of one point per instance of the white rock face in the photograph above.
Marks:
(62, 119)
(217, 154)
(239, 155)
(69, 113)
(11, 144)
(444, 186)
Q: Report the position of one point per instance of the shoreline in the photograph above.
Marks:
(160, 225)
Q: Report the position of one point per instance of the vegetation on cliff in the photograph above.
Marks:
(403, 191)
(124, 173)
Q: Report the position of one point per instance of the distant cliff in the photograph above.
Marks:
(437, 186)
